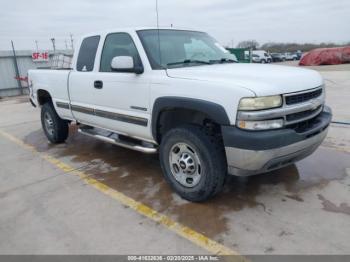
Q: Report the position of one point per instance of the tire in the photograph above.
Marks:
(263, 61)
(207, 153)
(55, 129)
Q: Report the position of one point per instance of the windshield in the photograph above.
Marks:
(182, 48)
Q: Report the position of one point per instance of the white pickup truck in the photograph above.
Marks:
(181, 93)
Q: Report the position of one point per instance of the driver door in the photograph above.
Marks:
(120, 100)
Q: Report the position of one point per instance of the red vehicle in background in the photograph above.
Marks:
(326, 56)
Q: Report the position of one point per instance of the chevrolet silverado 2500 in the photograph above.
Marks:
(181, 94)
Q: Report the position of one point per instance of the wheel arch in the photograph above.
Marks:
(199, 107)
(43, 96)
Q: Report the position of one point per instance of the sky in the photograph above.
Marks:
(229, 21)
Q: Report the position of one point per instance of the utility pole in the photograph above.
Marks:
(71, 41)
(16, 68)
(36, 44)
(53, 45)
(65, 41)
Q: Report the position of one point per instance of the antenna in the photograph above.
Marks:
(157, 14)
(160, 56)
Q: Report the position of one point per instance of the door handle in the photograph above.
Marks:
(98, 84)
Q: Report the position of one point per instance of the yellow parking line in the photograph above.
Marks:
(195, 237)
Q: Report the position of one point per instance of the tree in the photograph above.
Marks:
(292, 47)
(253, 44)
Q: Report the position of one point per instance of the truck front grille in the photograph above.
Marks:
(303, 97)
(302, 115)
(296, 111)
(306, 125)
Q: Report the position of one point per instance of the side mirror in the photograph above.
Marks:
(125, 64)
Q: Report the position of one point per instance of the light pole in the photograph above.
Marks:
(53, 44)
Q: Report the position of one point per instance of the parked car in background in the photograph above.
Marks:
(263, 57)
(255, 59)
(277, 57)
(291, 56)
(299, 54)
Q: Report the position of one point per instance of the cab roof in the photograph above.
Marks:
(134, 29)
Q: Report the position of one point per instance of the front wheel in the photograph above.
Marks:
(55, 128)
(193, 162)
(263, 61)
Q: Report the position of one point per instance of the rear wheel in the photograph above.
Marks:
(55, 128)
(193, 162)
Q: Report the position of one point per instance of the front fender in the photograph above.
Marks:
(213, 110)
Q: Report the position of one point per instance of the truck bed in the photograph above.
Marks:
(53, 81)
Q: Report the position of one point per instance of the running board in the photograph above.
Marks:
(119, 140)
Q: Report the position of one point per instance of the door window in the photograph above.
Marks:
(118, 44)
(87, 53)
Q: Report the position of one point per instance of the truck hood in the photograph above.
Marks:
(263, 80)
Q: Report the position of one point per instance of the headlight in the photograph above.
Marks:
(258, 103)
(260, 125)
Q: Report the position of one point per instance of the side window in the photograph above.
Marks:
(87, 53)
(118, 44)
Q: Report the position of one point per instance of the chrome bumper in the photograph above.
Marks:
(242, 162)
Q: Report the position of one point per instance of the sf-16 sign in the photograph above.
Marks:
(40, 56)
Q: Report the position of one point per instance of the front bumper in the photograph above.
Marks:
(250, 152)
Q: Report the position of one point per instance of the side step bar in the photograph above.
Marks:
(116, 139)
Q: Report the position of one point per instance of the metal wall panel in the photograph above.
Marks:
(7, 73)
(8, 83)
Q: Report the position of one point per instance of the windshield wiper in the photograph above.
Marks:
(223, 60)
(189, 61)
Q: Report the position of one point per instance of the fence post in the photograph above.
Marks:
(16, 68)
